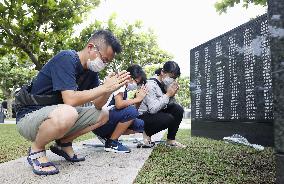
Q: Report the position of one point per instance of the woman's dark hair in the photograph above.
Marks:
(169, 67)
(136, 71)
(158, 71)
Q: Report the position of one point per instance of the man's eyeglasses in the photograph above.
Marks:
(105, 60)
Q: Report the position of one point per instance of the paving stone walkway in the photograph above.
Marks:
(100, 167)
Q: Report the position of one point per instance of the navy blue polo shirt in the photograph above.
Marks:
(62, 72)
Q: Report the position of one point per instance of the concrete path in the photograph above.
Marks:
(9, 121)
(185, 124)
(100, 167)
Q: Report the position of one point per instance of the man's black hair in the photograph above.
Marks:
(103, 38)
(136, 71)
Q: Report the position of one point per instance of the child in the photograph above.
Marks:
(122, 112)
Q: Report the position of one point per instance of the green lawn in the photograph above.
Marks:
(13, 145)
(208, 161)
(204, 161)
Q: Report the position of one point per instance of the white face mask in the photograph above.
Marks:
(168, 80)
(132, 86)
(96, 65)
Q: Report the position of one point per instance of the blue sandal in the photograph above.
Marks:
(33, 161)
(57, 149)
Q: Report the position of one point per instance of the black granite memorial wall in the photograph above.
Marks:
(237, 83)
(276, 28)
(231, 84)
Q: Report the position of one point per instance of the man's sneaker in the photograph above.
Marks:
(102, 139)
(115, 146)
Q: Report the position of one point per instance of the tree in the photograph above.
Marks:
(34, 31)
(183, 96)
(139, 46)
(38, 29)
(222, 5)
(13, 75)
(1, 96)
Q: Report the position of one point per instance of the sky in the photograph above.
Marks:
(180, 25)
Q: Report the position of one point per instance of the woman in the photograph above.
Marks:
(159, 109)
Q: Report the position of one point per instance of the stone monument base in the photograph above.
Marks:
(255, 132)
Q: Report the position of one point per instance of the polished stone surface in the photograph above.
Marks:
(279, 168)
(231, 84)
(231, 76)
(276, 25)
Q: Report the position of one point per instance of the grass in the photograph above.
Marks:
(208, 161)
(13, 145)
(203, 161)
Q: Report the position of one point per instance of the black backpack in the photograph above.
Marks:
(159, 84)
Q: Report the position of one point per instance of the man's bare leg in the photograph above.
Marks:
(60, 121)
(103, 118)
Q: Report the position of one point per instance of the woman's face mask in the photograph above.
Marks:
(132, 86)
(96, 65)
(168, 80)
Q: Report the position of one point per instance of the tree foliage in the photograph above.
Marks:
(1, 96)
(13, 74)
(33, 31)
(38, 29)
(139, 46)
(222, 5)
(183, 96)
